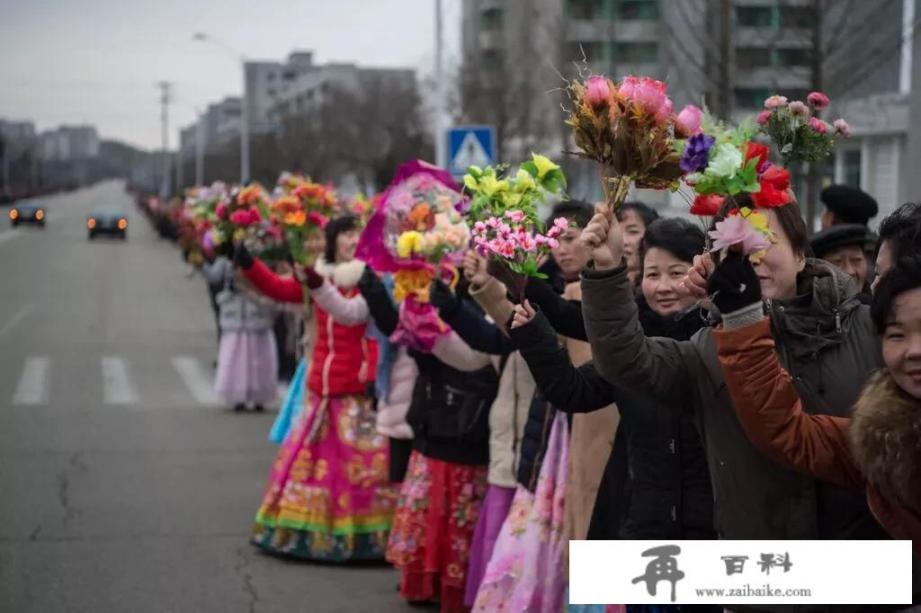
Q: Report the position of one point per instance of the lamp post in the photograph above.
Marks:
(244, 117)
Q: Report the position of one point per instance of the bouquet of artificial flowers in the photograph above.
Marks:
(301, 209)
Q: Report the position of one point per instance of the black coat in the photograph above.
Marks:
(656, 484)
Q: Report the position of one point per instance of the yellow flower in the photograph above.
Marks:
(409, 243)
(544, 165)
(470, 183)
(524, 181)
(489, 185)
(758, 220)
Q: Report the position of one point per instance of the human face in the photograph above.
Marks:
(778, 269)
(902, 342)
(634, 229)
(315, 243)
(663, 274)
(346, 242)
(851, 260)
(883, 263)
(572, 255)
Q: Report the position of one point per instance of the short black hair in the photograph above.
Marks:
(904, 277)
(578, 211)
(333, 229)
(646, 212)
(680, 237)
(903, 231)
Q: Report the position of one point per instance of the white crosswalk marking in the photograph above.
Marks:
(33, 382)
(196, 379)
(116, 384)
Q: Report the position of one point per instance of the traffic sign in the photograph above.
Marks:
(470, 146)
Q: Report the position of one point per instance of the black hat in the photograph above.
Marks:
(836, 237)
(849, 204)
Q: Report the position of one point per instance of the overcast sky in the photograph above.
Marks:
(97, 61)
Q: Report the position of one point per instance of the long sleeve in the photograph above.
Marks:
(350, 311)
(564, 315)
(660, 367)
(492, 296)
(771, 412)
(476, 330)
(381, 306)
(282, 289)
(453, 351)
(569, 389)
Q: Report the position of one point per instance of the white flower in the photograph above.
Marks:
(726, 162)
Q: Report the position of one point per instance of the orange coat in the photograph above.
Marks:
(844, 451)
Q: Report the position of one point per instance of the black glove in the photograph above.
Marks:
(369, 281)
(308, 276)
(242, 257)
(442, 298)
(734, 284)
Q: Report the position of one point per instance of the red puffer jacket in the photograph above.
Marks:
(344, 359)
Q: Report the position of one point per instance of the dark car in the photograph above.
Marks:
(27, 211)
(107, 222)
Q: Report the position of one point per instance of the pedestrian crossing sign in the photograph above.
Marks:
(470, 146)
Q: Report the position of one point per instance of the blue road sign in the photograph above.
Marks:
(470, 146)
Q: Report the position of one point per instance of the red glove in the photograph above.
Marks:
(309, 276)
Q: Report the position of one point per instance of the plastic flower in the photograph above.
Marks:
(775, 185)
(296, 218)
(515, 216)
(763, 117)
(707, 206)
(798, 109)
(688, 120)
(818, 100)
(221, 211)
(759, 151)
(818, 125)
(544, 165)
(726, 161)
(409, 243)
(597, 92)
(775, 102)
(842, 128)
(524, 181)
(696, 153)
(648, 93)
(739, 230)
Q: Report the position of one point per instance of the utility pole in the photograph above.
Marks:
(200, 150)
(164, 133)
(816, 83)
(441, 153)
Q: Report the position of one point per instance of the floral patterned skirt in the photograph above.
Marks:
(433, 527)
(526, 572)
(328, 496)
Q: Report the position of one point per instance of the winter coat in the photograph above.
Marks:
(655, 483)
(877, 448)
(344, 358)
(827, 342)
(238, 309)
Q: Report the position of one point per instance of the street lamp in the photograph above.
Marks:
(244, 117)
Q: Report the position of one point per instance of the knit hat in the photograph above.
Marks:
(836, 237)
(849, 204)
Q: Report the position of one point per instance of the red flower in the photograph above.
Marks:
(775, 183)
(759, 151)
(707, 206)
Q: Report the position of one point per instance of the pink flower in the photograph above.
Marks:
(775, 102)
(818, 100)
(648, 93)
(561, 222)
(842, 128)
(316, 219)
(665, 112)
(798, 109)
(688, 120)
(515, 216)
(221, 211)
(763, 117)
(241, 218)
(540, 239)
(493, 222)
(818, 125)
(597, 92)
(736, 230)
(528, 244)
(553, 243)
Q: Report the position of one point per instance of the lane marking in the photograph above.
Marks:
(116, 383)
(33, 382)
(196, 379)
(13, 321)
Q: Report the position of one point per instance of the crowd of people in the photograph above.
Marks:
(641, 390)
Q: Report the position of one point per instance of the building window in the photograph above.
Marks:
(796, 16)
(755, 16)
(584, 9)
(637, 53)
(852, 167)
(491, 19)
(750, 97)
(638, 9)
(792, 57)
(753, 57)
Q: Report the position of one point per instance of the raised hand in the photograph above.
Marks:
(523, 314)
(475, 268)
(605, 238)
(734, 283)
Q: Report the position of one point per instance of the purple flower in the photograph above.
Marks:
(696, 153)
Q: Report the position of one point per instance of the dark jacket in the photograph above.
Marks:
(655, 484)
(826, 341)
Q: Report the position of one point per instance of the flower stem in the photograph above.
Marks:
(615, 190)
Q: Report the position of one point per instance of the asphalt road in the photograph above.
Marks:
(123, 485)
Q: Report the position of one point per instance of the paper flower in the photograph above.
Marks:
(818, 125)
(842, 128)
(775, 186)
(775, 102)
(696, 153)
(409, 243)
(818, 100)
(726, 160)
(798, 109)
(707, 205)
(597, 92)
(740, 230)
(763, 117)
(759, 152)
(688, 121)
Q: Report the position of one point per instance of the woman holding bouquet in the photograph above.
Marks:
(328, 496)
